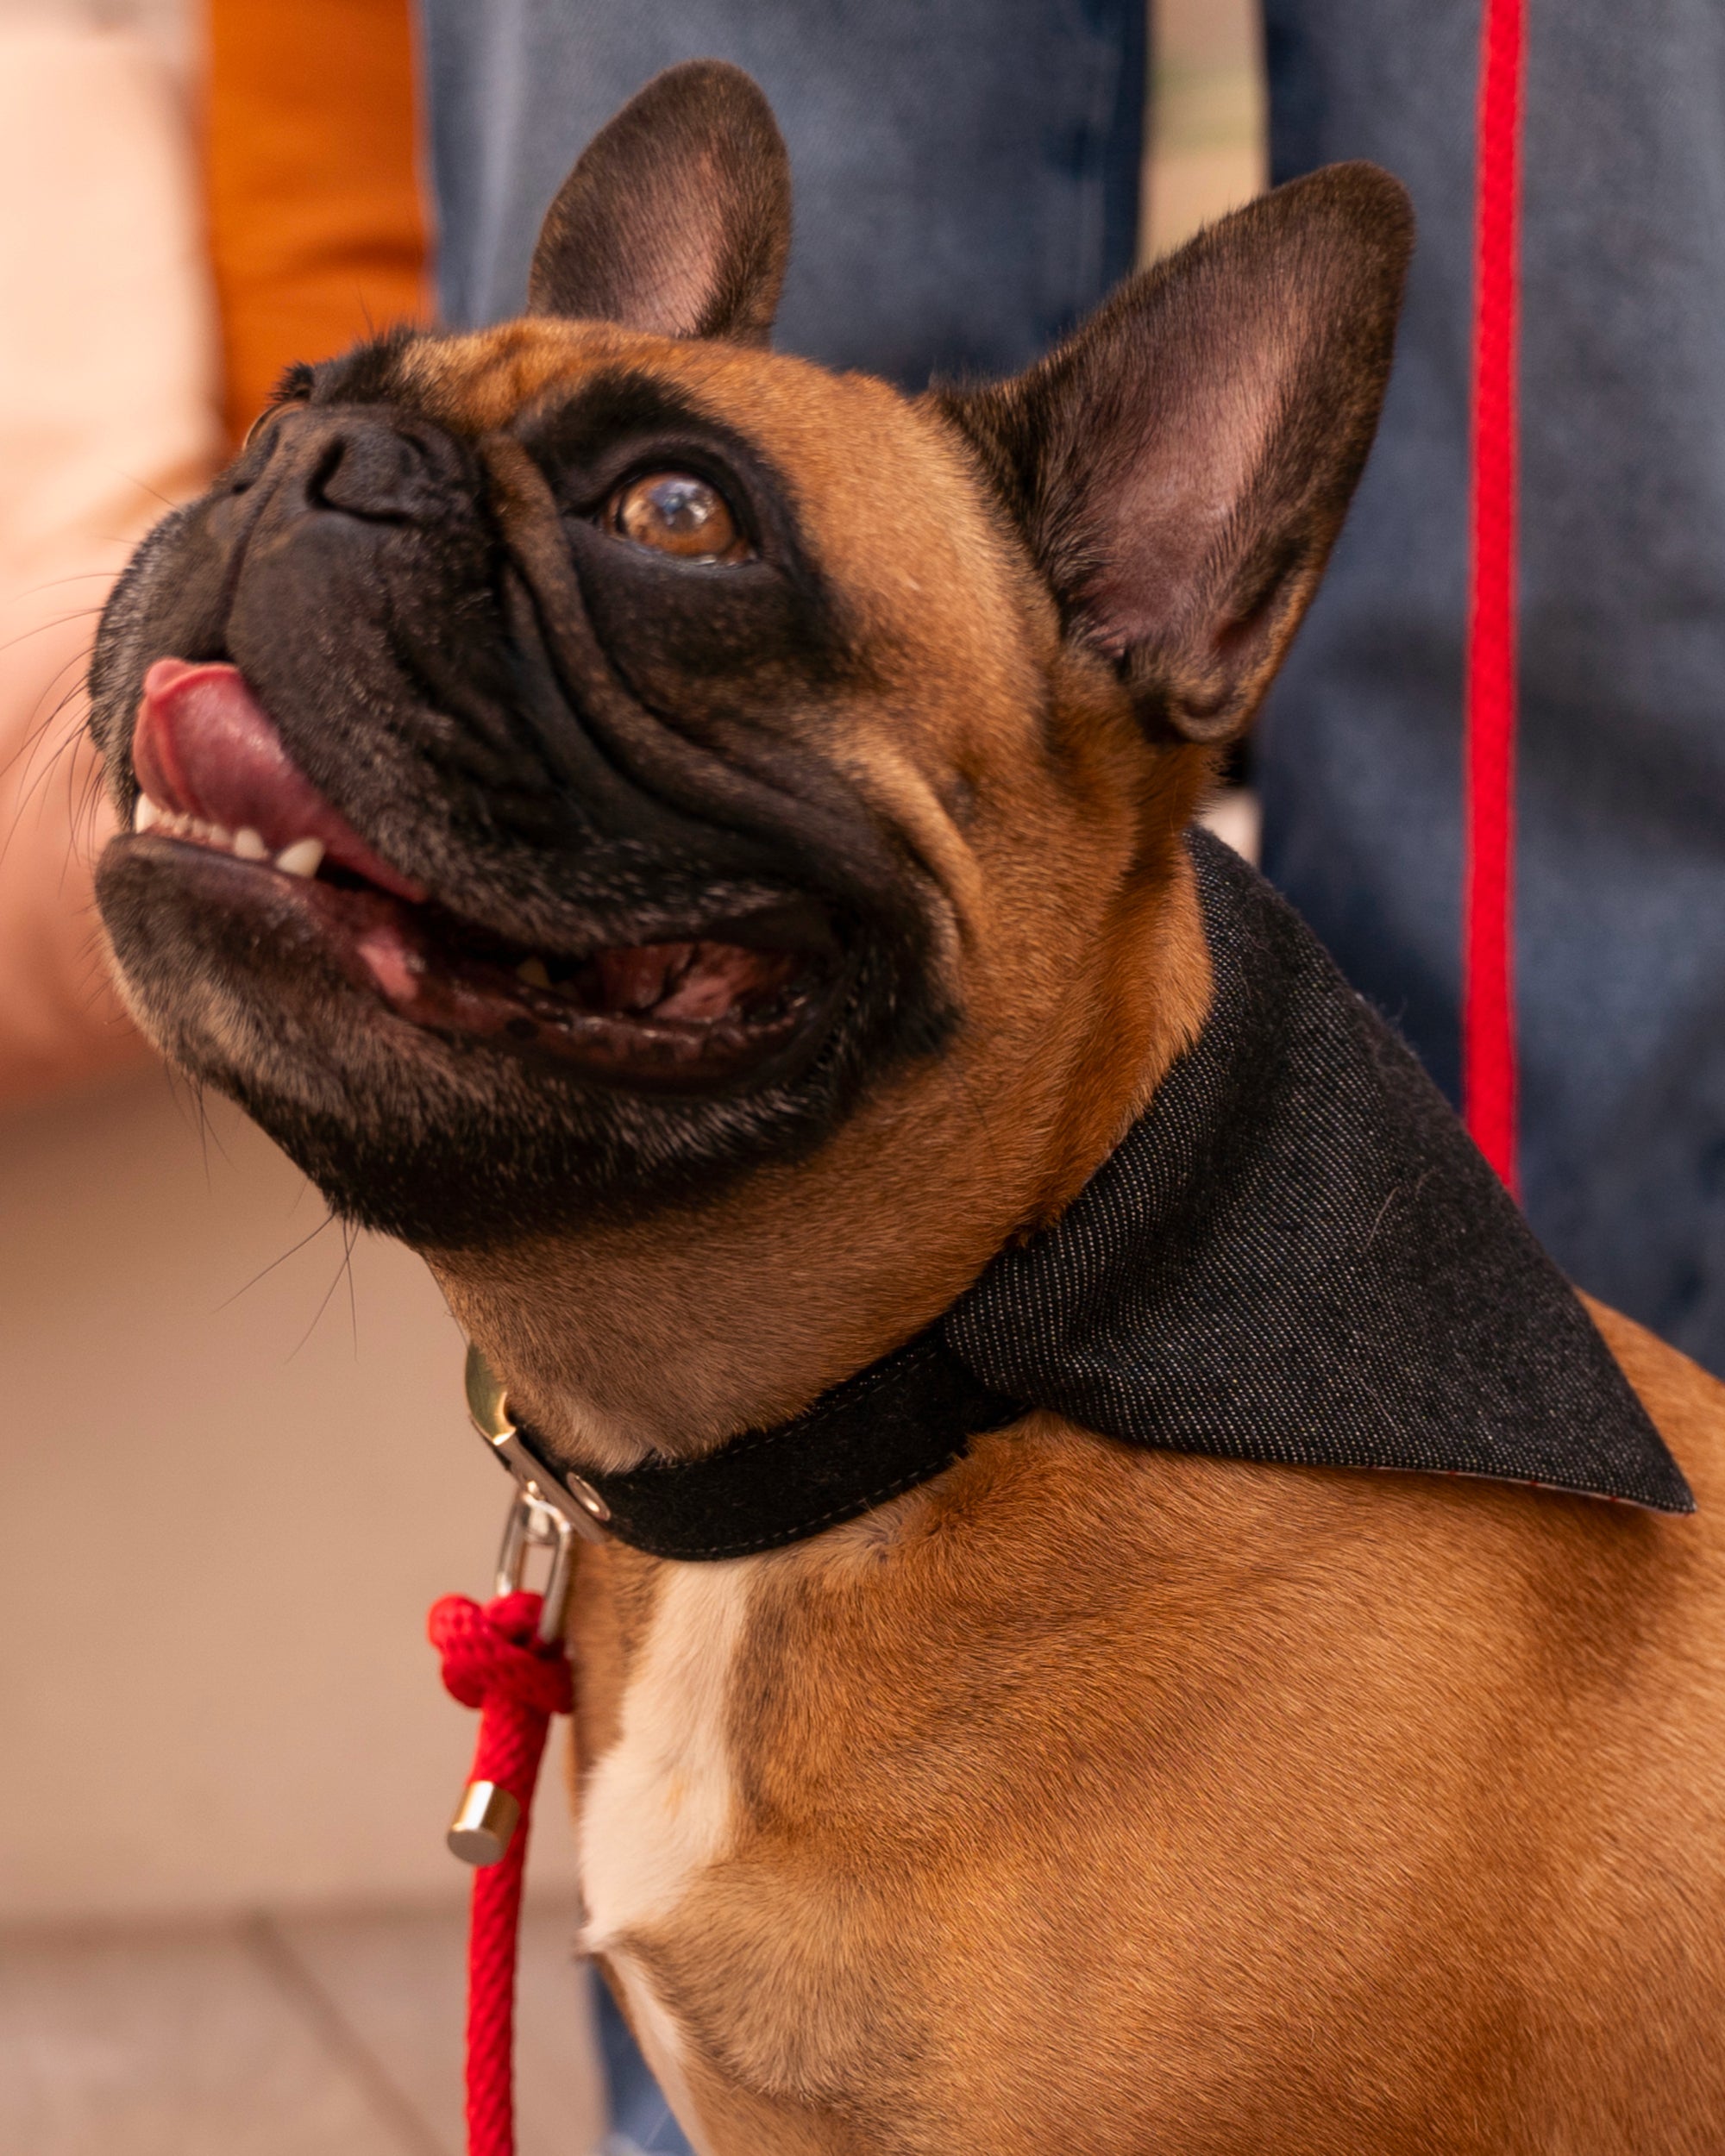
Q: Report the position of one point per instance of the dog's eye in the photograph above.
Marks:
(674, 512)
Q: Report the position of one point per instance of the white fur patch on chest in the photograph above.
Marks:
(658, 1808)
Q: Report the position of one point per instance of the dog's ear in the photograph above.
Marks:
(677, 216)
(1180, 466)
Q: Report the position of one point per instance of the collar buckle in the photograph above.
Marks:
(552, 1507)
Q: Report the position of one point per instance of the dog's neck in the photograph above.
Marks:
(671, 1334)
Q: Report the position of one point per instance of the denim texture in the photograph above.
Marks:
(1297, 1256)
(966, 175)
(1621, 893)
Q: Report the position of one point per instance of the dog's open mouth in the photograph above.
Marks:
(215, 776)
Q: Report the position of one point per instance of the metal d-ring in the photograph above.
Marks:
(534, 1525)
(550, 1509)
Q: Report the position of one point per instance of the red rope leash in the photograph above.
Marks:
(493, 1660)
(1488, 1077)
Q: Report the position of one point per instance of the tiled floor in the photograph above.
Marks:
(279, 2036)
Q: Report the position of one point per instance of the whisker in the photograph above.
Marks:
(311, 1236)
(142, 485)
(352, 1241)
(328, 1292)
(60, 621)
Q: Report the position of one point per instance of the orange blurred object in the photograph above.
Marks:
(317, 230)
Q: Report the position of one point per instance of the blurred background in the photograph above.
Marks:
(237, 1471)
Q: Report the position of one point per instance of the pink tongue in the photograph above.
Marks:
(205, 746)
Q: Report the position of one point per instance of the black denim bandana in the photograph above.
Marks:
(1295, 1255)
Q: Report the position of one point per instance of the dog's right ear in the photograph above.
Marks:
(677, 216)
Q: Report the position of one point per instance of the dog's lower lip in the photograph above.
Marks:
(700, 1010)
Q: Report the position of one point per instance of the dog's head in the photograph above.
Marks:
(570, 767)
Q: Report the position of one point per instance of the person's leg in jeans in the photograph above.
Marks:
(967, 185)
(1621, 949)
(966, 175)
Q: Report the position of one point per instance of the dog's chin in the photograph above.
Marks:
(442, 1087)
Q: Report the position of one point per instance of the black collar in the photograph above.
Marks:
(1295, 1255)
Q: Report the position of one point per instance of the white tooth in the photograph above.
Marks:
(200, 830)
(220, 836)
(303, 858)
(248, 845)
(145, 814)
(532, 971)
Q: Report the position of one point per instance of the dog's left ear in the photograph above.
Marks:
(677, 216)
(1180, 466)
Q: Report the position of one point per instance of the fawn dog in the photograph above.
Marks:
(697, 845)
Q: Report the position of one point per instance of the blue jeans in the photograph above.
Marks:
(966, 173)
(1621, 941)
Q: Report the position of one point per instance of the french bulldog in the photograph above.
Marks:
(696, 846)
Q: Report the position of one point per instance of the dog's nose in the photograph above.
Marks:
(362, 463)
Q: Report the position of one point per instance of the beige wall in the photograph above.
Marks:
(1206, 142)
(222, 1517)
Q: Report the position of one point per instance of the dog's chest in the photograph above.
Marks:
(659, 1807)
